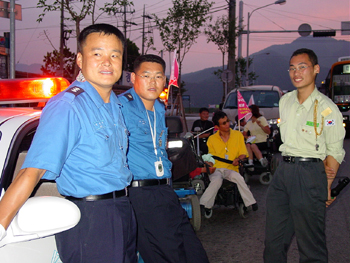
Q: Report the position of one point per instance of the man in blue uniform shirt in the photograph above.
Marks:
(164, 231)
(81, 142)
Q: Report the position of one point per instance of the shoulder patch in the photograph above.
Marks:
(75, 90)
(129, 96)
(326, 112)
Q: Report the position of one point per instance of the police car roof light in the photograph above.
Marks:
(31, 89)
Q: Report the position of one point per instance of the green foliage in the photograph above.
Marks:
(219, 33)
(181, 27)
(52, 64)
(133, 53)
(78, 10)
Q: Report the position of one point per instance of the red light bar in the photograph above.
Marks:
(16, 90)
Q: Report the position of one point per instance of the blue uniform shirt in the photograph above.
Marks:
(141, 155)
(81, 141)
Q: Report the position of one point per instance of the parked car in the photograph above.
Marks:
(30, 236)
(265, 96)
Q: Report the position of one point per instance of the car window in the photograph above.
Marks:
(21, 143)
(262, 98)
(17, 155)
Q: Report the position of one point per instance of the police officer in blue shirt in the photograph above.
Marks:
(164, 231)
(81, 142)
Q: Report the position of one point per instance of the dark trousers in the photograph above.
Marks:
(296, 205)
(105, 233)
(164, 231)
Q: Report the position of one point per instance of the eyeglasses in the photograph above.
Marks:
(225, 122)
(149, 78)
(300, 69)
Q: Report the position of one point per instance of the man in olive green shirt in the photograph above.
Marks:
(312, 133)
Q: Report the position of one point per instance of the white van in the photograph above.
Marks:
(265, 96)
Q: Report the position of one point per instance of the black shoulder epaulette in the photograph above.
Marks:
(129, 96)
(75, 90)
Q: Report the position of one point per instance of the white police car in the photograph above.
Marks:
(30, 236)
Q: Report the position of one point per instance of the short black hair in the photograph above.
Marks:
(105, 29)
(203, 109)
(217, 116)
(312, 56)
(148, 58)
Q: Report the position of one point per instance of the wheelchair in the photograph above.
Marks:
(184, 159)
(228, 195)
(265, 173)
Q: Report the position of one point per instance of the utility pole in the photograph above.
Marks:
(143, 29)
(125, 44)
(232, 45)
(240, 29)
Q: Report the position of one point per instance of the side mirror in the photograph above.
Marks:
(40, 217)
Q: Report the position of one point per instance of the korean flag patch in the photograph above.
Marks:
(330, 122)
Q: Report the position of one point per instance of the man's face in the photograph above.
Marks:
(101, 60)
(305, 74)
(204, 115)
(224, 124)
(149, 81)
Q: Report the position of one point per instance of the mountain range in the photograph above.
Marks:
(270, 64)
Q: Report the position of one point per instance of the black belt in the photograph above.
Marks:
(149, 182)
(111, 195)
(293, 159)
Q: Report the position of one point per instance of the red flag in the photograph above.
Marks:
(174, 75)
(243, 109)
(251, 100)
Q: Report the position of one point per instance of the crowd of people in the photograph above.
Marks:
(109, 158)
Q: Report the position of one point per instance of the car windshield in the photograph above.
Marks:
(262, 98)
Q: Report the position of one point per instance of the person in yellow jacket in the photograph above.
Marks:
(229, 145)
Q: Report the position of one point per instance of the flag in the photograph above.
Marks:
(251, 100)
(243, 109)
(174, 75)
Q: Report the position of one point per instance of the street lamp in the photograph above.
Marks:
(279, 2)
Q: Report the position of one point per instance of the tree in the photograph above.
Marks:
(80, 12)
(133, 53)
(52, 63)
(181, 27)
(219, 35)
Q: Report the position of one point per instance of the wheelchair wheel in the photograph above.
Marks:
(242, 210)
(196, 212)
(265, 178)
(198, 185)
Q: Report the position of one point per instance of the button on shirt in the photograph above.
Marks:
(298, 131)
(81, 141)
(141, 155)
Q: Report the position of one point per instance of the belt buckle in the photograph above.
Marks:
(289, 159)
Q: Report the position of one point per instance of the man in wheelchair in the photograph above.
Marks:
(228, 148)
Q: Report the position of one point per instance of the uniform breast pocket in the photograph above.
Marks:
(143, 127)
(104, 143)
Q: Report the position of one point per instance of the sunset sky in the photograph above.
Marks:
(32, 43)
